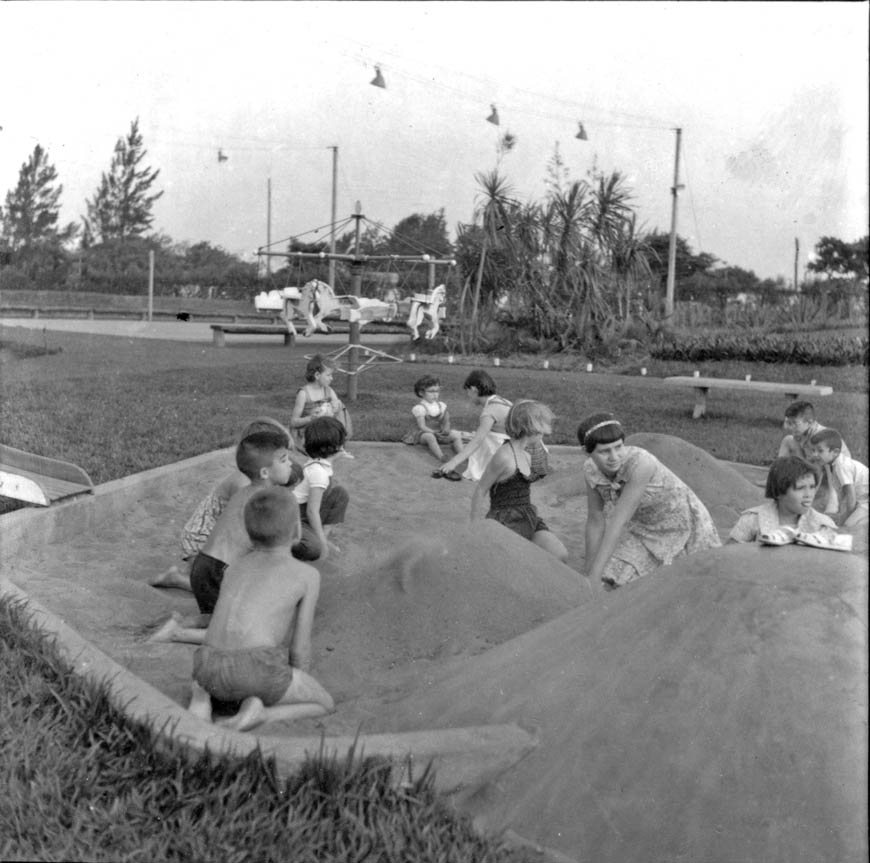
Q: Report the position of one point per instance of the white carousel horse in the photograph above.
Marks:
(429, 306)
(316, 300)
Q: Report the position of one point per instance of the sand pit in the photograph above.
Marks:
(427, 621)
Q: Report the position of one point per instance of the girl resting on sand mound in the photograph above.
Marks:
(641, 515)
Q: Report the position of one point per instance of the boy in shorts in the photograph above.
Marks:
(264, 458)
(266, 605)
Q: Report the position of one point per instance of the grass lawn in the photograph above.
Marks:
(117, 406)
(77, 781)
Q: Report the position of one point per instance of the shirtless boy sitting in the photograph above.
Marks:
(266, 603)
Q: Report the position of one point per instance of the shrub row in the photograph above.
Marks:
(816, 350)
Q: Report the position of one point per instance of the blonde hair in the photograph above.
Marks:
(528, 417)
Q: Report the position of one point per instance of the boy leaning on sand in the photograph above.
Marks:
(264, 458)
(266, 605)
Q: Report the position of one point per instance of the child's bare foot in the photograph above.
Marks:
(171, 577)
(168, 630)
(200, 702)
(251, 713)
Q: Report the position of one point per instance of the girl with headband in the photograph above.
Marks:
(641, 515)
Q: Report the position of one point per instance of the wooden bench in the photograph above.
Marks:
(220, 332)
(702, 385)
(38, 479)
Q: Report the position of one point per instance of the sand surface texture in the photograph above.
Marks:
(715, 710)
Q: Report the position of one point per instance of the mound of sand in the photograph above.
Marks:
(722, 489)
(457, 592)
(714, 712)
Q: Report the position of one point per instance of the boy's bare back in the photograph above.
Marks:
(267, 599)
(229, 539)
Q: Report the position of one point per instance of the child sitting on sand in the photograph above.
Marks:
(490, 432)
(322, 503)
(432, 420)
(266, 603)
(510, 473)
(201, 523)
(317, 399)
(263, 457)
(790, 489)
(847, 478)
(641, 515)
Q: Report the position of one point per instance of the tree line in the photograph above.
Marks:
(571, 268)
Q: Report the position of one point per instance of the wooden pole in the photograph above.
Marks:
(672, 246)
(331, 274)
(269, 224)
(797, 251)
(356, 290)
(151, 285)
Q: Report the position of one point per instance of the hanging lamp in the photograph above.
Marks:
(581, 133)
(493, 117)
(378, 80)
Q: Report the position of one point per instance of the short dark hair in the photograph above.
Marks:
(267, 424)
(257, 450)
(831, 437)
(271, 516)
(482, 382)
(324, 436)
(800, 409)
(317, 364)
(785, 472)
(609, 430)
(425, 383)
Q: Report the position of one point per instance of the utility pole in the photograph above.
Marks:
(331, 272)
(797, 251)
(269, 224)
(672, 247)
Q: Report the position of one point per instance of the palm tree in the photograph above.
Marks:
(495, 213)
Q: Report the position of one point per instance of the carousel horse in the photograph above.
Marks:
(429, 306)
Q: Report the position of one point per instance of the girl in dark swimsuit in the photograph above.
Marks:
(511, 471)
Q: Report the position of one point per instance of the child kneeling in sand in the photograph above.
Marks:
(511, 471)
(266, 602)
(791, 489)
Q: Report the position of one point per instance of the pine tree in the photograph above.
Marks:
(32, 243)
(32, 209)
(121, 206)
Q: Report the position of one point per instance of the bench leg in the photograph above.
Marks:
(219, 338)
(288, 339)
(700, 403)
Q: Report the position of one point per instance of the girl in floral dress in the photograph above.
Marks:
(641, 515)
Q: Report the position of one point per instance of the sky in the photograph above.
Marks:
(771, 98)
